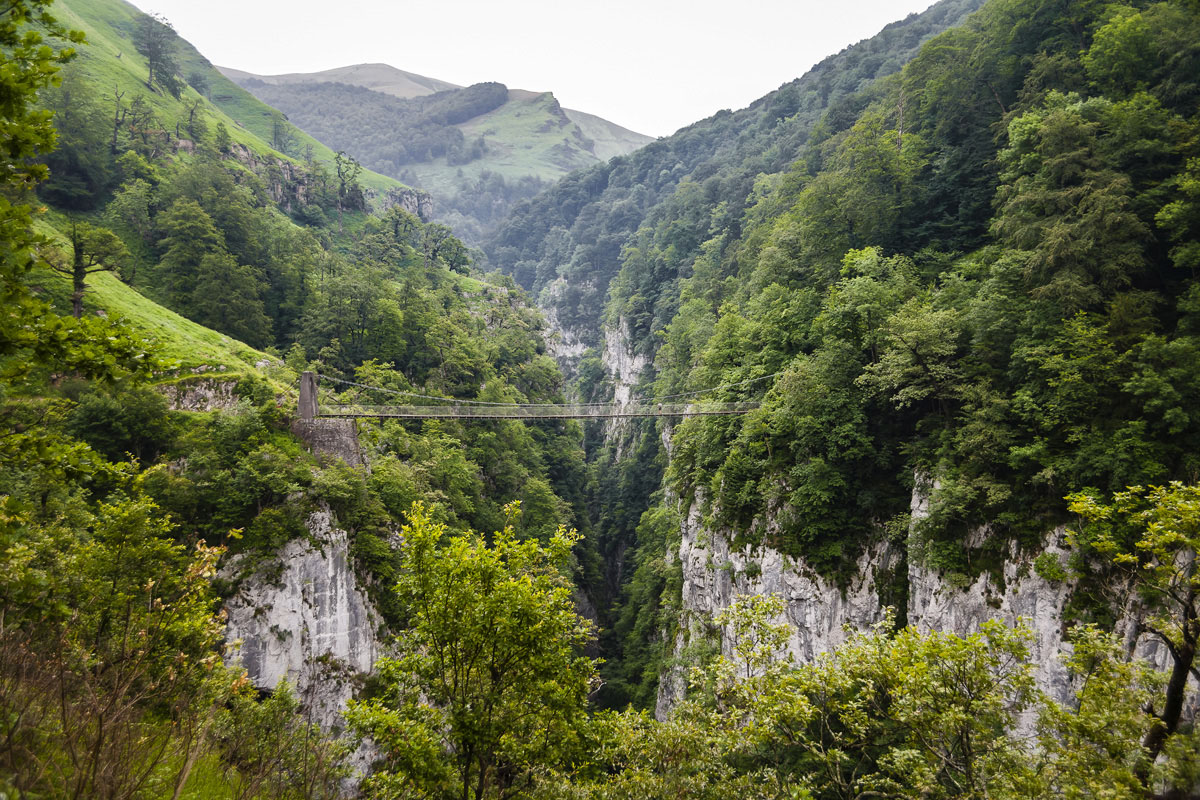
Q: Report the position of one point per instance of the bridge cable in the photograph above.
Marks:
(458, 401)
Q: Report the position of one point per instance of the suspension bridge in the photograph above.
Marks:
(312, 407)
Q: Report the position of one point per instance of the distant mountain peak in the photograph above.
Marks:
(378, 77)
(476, 149)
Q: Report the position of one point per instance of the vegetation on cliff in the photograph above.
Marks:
(975, 270)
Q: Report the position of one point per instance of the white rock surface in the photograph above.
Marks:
(204, 394)
(714, 574)
(566, 345)
(312, 625)
(623, 365)
(818, 610)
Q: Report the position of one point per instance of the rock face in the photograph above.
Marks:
(1022, 596)
(714, 574)
(417, 203)
(624, 366)
(309, 623)
(817, 610)
(565, 344)
(205, 394)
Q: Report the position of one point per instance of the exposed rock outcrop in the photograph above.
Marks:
(306, 619)
(624, 365)
(818, 610)
(203, 394)
(414, 201)
(565, 344)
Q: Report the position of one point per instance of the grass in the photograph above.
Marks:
(523, 137)
(191, 345)
(110, 61)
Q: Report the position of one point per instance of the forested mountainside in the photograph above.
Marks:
(147, 443)
(973, 286)
(478, 150)
(566, 244)
(955, 265)
(662, 208)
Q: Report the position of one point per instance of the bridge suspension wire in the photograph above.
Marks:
(458, 401)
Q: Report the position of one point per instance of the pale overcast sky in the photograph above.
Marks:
(650, 65)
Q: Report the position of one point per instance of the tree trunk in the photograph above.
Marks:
(1184, 655)
(78, 284)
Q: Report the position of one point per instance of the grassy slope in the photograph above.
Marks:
(611, 140)
(525, 136)
(179, 339)
(110, 60)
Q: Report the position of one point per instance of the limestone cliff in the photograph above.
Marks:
(304, 617)
(818, 610)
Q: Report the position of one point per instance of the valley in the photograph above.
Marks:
(366, 435)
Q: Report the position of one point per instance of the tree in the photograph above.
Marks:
(1153, 536)
(198, 80)
(93, 249)
(33, 46)
(27, 30)
(349, 194)
(1062, 203)
(489, 688)
(155, 39)
(81, 165)
(283, 135)
(227, 299)
(188, 236)
(1092, 748)
(438, 244)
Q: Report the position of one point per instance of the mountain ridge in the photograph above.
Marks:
(477, 149)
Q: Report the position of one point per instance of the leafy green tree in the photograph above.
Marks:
(489, 688)
(155, 39)
(227, 299)
(81, 164)
(917, 363)
(1153, 535)
(1181, 217)
(272, 751)
(93, 249)
(1121, 55)
(117, 638)
(34, 46)
(1093, 749)
(129, 213)
(1067, 208)
(349, 193)
(188, 236)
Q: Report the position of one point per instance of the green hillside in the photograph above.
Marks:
(952, 271)
(112, 62)
(477, 150)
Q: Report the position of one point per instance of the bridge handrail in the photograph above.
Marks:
(565, 411)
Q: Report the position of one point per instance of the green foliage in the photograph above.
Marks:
(156, 40)
(1152, 535)
(1091, 750)
(271, 751)
(386, 132)
(488, 665)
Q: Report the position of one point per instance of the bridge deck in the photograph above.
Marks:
(565, 411)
